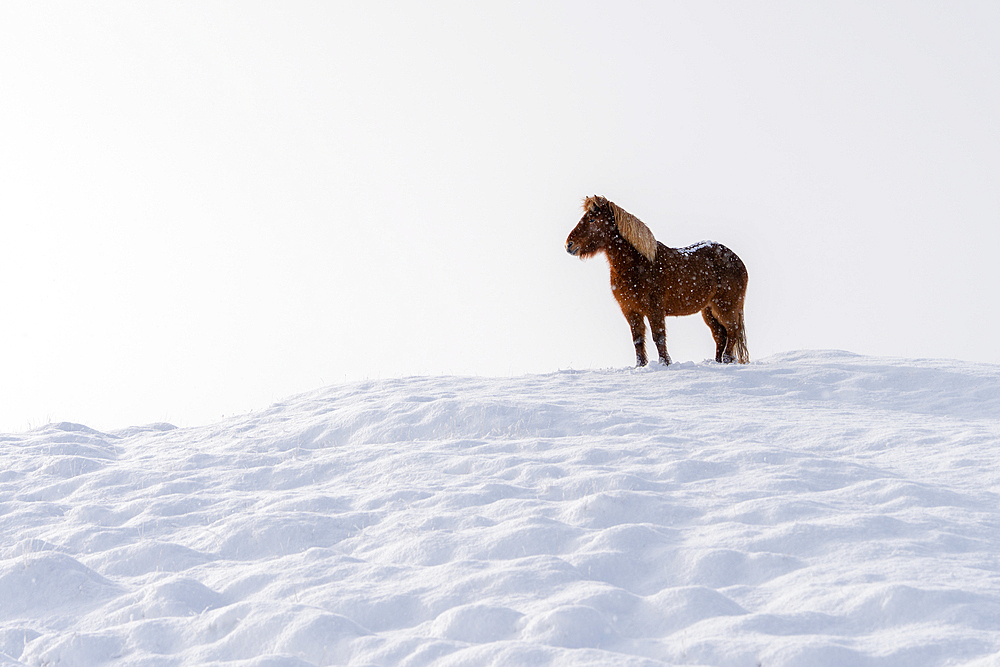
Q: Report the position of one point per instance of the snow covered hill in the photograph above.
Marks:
(810, 509)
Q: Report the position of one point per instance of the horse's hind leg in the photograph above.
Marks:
(734, 347)
(719, 334)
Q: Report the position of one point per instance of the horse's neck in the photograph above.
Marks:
(626, 262)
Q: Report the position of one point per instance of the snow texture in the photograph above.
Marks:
(811, 509)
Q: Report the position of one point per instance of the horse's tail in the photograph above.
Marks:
(732, 276)
(740, 346)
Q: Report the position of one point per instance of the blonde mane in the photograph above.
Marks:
(630, 227)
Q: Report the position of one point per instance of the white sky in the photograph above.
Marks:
(209, 206)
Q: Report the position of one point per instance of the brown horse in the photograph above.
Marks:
(653, 281)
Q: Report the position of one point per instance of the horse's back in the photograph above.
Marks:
(728, 266)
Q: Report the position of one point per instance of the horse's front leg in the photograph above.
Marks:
(638, 327)
(656, 323)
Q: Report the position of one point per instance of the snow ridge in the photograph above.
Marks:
(812, 508)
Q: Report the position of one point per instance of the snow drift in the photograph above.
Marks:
(813, 508)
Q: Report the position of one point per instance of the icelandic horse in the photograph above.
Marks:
(652, 281)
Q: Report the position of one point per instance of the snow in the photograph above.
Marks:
(812, 508)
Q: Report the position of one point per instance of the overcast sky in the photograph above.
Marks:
(210, 206)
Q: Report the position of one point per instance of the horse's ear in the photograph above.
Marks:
(591, 204)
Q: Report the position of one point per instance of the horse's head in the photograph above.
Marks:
(594, 231)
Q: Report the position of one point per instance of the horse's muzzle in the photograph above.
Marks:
(570, 249)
